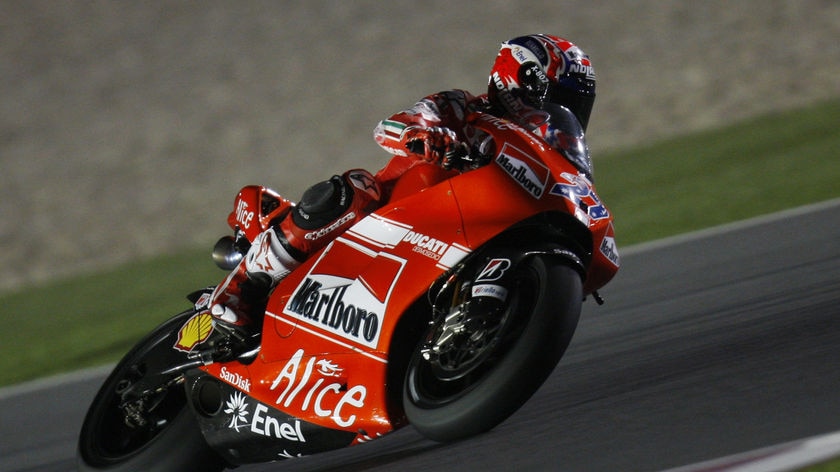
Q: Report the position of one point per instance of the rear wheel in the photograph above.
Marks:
(140, 419)
(479, 365)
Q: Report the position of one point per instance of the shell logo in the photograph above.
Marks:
(196, 330)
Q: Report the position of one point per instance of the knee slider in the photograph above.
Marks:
(322, 203)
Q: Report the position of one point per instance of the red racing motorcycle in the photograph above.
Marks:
(448, 320)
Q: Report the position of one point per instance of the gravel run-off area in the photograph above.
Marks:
(126, 128)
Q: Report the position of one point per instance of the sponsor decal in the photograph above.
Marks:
(529, 173)
(578, 190)
(315, 235)
(583, 69)
(490, 290)
(534, 47)
(527, 116)
(500, 123)
(387, 234)
(520, 55)
(576, 61)
(243, 214)
(493, 270)
(536, 70)
(344, 309)
(265, 425)
(426, 245)
(235, 379)
(610, 250)
(510, 102)
(261, 422)
(194, 331)
(346, 302)
(328, 369)
(307, 388)
(238, 408)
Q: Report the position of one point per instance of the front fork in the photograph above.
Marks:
(468, 317)
(469, 304)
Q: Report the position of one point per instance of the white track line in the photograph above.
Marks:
(730, 227)
(47, 383)
(784, 457)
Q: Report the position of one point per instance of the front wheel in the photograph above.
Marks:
(140, 419)
(475, 379)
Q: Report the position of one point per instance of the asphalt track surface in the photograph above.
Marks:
(712, 344)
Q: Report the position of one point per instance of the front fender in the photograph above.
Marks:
(554, 234)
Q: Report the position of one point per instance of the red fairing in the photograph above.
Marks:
(340, 308)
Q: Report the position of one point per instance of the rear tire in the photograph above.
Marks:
(164, 435)
(544, 303)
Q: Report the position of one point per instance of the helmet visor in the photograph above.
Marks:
(577, 100)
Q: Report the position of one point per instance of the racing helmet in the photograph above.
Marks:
(539, 69)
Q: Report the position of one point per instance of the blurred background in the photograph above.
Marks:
(126, 128)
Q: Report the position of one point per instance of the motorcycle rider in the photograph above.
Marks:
(529, 73)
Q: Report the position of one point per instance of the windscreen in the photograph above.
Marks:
(565, 134)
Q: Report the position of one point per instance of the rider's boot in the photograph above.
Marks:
(237, 304)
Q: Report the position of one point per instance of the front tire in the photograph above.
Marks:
(451, 402)
(139, 419)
